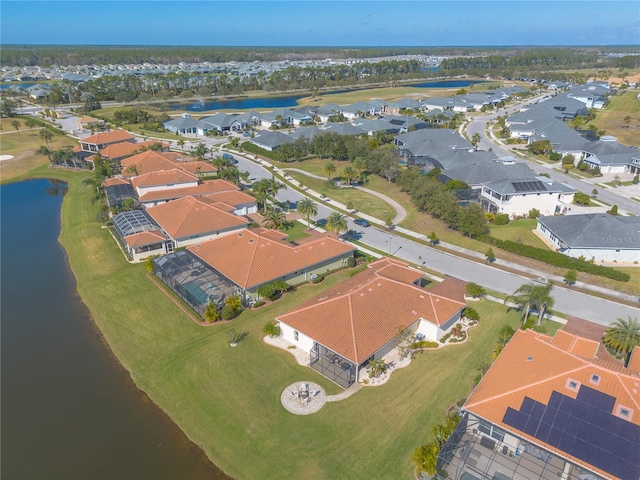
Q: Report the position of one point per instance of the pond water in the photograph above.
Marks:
(270, 103)
(69, 409)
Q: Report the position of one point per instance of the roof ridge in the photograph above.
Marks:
(253, 256)
(624, 386)
(353, 330)
(186, 214)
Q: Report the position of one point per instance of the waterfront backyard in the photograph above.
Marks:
(228, 399)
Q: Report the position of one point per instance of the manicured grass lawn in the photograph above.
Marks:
(518, 231)
(227, 399)
(23, 147)
(296, 231)
(362, 201)
(611, 118)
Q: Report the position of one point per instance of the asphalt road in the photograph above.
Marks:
(568, 301)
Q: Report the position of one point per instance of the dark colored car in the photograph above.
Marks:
(362, 222)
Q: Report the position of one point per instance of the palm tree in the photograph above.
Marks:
(329, 168)
(16, 124)
(337, 223)
(46, 135)
(30, 123)
(274, 219)
(200, 151)
(307, 208)
(543, 299)
(530, 296)
(622, 336)
(180, 143)
(475, 140)
(360, 164)
(348, 173)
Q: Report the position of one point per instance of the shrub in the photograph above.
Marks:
(555, 156)
(351, 262)
(613, 211)
(474, 290)
(259, 303)
(557, 259)
(471, 313)
(581, 198)
(272, 329)
(318, 279)
(227, 312)
(501, 219)
(636, 179)
(424, 344)
(534, 213)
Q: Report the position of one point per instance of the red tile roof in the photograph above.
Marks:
(112, 136)
(253, 257)
(143, 239)
(122, 149)
(534, 365)
(202, 189)
(190, 216)
(359, 316)
(115, 181)
(163, 177)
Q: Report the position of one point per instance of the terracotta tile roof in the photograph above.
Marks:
(190, 216)
(582, 347)
(122, 149)
(143, 239)
(362, 314)
(202, 189)
(235, 197)
(450, 287)
(533, 365)
(88, 120)
(253, 257)
(163, 177)
(147, 162)
(115, 181)
(192, 167)
(112, 136)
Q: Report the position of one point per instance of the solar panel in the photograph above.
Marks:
(527, 405)
(582, 427)
(533, 186)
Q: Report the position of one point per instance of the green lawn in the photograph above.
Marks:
(612, 118)
(227, 399)
(296, 231)
(519, 231)
(362, 201)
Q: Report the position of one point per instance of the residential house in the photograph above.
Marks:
(141, 235)
(358, 320)
(99, 141)
(184, 124)
(549, 407)
(270, 140)
(255, 257)
(190, 220)
(594, 236)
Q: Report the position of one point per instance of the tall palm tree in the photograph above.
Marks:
(30, 123)
(475, 140)
(530, 296)
(623, 336)
(200, 151)
(47, 136)
(329, 168)
(16, 124)
(337, 223)
(307, 208)
(360, 164)
(348, 173)
(274, 219)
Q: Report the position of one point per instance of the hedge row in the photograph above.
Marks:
(253, 148)
(557, 259)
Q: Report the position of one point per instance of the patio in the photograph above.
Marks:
(303, 398)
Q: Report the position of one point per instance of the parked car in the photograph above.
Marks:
(361, 222)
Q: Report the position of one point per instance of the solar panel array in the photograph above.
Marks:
(533, 186)
(583, 427)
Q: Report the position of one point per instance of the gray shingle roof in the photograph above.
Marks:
(596, 230)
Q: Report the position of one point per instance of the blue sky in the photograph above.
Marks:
(321, 23)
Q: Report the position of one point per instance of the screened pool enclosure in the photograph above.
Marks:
(333, 366)
(192, 280)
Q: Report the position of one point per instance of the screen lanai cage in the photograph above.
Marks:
(192, 280)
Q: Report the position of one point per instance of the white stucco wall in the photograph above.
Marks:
(185, 242)
(304, 343)
(142, 190)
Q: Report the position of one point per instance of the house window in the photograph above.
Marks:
(595, 379)
(491, 431)
(295, 335)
